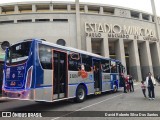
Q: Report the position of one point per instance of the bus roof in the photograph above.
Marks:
(67, 48)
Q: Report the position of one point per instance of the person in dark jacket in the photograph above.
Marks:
(122, 79)
(131, 83)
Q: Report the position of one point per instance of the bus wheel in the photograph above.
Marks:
(80, 94)
(115, 89)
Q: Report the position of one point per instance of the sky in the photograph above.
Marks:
(143, 5)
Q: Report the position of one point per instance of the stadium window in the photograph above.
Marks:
(42, 20)
(108, 10)
(60, 20)
(93, 9)
(145, 17)
(45, 56)
(87, 62)
(8, 21)
(73, 8)
(81, 8)
(41, 8)
(25, 8)
(135, 14)
(22, 21)
(60, 8)
(61, 42)
(74, 61)
(8, 9)
(105, 66)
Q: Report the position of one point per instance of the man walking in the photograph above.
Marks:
(122, 79)
(131, 83)
(150, 82)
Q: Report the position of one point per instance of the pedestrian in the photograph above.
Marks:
(122, 80)
(131, 84)
(143, 86)
(150, 82)
(158, 79)
(127, 83)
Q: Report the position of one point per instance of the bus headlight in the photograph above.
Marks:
(29, 78)
(3, 83)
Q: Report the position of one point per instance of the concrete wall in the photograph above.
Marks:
(71, 28)
(49, 30)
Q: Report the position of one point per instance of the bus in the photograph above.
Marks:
(41, 71)
(1, 76)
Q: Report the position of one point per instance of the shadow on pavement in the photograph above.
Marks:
(48, 106)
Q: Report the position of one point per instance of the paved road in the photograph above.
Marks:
(119, 101)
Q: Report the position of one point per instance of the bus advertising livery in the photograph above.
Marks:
(41, 71)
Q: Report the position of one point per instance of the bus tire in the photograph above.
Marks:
(80, 94)
(115, 89)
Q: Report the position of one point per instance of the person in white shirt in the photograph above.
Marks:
(150, 83)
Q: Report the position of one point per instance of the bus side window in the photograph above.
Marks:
(113, 67)
(120, 69)
(105, 66)
(74, 61)
(87, 62)
(45, 56)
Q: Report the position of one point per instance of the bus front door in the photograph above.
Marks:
(97, 74)
(59, 74)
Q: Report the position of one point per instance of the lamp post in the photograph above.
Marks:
(78, 22)
(155, 18)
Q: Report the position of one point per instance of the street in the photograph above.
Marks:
(119, 101)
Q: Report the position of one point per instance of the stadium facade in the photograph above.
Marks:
(129, 35)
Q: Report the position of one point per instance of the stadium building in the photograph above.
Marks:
(129, 35)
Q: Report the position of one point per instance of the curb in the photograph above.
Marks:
(2, 98)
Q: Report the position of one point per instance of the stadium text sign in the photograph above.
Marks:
(95, 30)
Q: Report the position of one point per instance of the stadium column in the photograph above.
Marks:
(120, 53)
(78, 25)
(145, 57)
(16, 9)
(34, 9)
(88, 44)
(140, 16)
(68, 7)
(134, 62)
(51, 7)
(155, 55)
(0, 10)
(105, 46)
(101, 10)
(86, 9)
(150, 18)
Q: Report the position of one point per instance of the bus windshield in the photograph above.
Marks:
(18, 53)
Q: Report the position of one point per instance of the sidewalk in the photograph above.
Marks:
(2, 98)
(137, 83)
